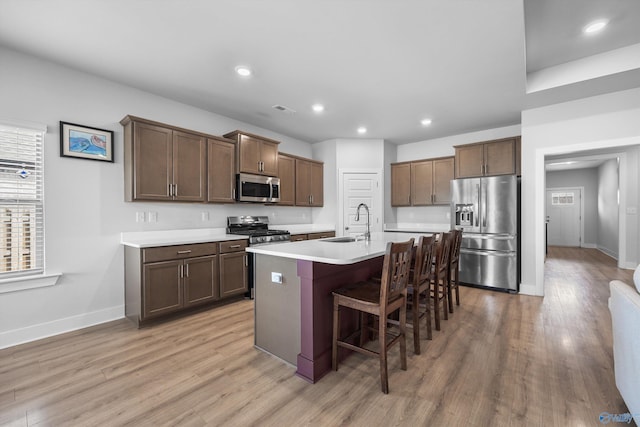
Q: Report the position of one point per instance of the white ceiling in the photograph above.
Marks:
(380, 64)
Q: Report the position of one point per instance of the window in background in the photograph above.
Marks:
(21, 200)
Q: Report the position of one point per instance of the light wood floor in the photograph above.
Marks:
(500, 360)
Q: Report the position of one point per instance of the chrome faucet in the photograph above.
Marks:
(367, 235)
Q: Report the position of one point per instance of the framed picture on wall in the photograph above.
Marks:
(86, 142)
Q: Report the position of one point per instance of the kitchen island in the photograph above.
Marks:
(293, 301)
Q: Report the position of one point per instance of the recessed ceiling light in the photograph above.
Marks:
(243, 71)
(595, 26)
(318, 108)
(362, 130)
(425, 122)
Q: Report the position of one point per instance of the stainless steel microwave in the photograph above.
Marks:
(257, 188)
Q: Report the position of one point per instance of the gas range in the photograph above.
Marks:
(257, 228)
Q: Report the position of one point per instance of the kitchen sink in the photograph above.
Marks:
(344, 239)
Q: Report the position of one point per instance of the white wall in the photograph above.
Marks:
(84, 200)
(608, 208)
(440, 147)
(326, 152)
(609, 120)
(588, 179)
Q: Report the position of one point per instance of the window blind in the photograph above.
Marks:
(21, 201)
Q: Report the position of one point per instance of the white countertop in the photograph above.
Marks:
(333, 252)
(147, 239)
(303, 228)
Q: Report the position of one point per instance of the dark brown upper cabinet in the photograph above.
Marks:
(163, 162)
(488, 158)
(255, 154)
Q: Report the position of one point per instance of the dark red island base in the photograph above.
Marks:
(317, 281)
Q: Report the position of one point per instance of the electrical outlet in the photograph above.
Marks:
(205, 216)
(139, 216)
(153, 216)
(276, 277)
(632, 210)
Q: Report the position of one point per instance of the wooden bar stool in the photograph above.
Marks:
(419, 284)
(454, 268)
(439, 277)
(379, 299)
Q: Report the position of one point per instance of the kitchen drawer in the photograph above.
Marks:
(298, 237)
(233, 246)
(165, 253)
(322, 235)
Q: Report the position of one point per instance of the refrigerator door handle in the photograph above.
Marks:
(484, 204)
(488, 253)
(476, 204)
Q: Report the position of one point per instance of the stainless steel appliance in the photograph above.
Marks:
(257, 228)
(487, 212)
(257, 188)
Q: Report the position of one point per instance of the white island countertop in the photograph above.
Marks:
(323, 250)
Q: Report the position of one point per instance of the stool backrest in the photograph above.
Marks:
(443, 251)
(456, 242)
(424, 260)
(395, 271)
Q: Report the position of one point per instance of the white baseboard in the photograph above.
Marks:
(628, 265)
(55, 327)
(608, 252)
(590, 245)
(528, 290)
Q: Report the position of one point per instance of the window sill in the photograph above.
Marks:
(16, 284)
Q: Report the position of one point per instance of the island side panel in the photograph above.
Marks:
(277, 307)
(317, 281)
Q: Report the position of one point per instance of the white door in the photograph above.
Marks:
(361, 188)
(564, 217)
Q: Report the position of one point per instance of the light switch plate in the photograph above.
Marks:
(276, 277)
(153, 216)
(139, 216)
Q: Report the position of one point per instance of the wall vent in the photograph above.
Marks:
(284, 109)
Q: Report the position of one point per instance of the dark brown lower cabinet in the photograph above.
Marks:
(162, 288)
(169, 279)
(233, 269)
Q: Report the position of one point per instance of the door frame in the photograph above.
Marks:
(379, 211)
(582, 244)
(534, 180)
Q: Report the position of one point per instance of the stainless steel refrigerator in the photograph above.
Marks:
(487, 212)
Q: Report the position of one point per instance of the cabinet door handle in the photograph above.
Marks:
(175, 190)
(170, 190)
(187, 270)
(187, 251)
(181, 271)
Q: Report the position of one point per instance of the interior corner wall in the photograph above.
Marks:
(588, 179)
(85, 211)
(390, 156)
(604, 121)
(326, 152)
(608, 207)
